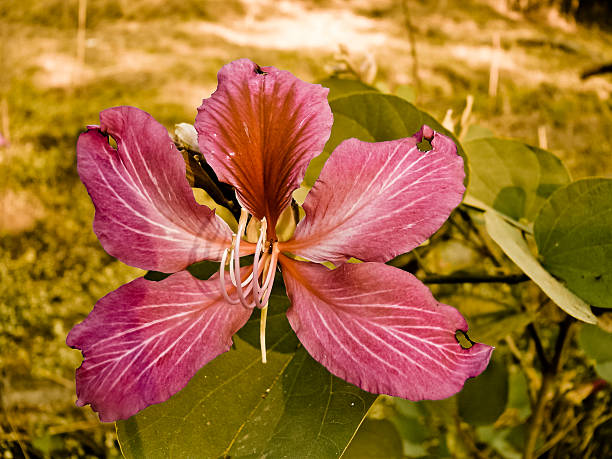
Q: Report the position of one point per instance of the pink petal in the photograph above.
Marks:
(259, 130)
(374, 201)
(379, 328)
(146, 215)
(143, 342)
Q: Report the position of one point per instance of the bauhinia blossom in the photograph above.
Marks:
(371, 324)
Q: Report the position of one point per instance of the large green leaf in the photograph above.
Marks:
(339, 87)
(372, 117)
(511, 177)
(573, 232)
(377, 438)
(235, 406)
(484, 399)
(597, 344)
(512, 243)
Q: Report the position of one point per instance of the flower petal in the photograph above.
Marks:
(259, 130)
(146, 215)
(143, 342)
(379, 328)
(374, 201)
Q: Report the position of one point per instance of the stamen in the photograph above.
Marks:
(269, 283)
(264, 262)
(263, 302)
(262, 333)
(222, 279)
(256, 260)
(236, 255)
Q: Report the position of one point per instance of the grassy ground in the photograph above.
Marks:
(163, 58)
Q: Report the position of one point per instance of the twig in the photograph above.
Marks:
(475, 279)
(413, 52)
(548, 385)
(81, 29)
(72, 427)
(558, 436)
(4, 114)
(494, 71)
(17, 436)
(538, 346)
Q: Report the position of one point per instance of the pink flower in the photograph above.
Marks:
(373, 325)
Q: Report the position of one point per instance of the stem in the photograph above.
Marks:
(546, 390)
(538, 345)
(413, 52)
(475, 279)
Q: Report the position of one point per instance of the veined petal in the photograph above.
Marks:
(379, 328)
(259, 130)
(374, 201)
(143, 342)
(146, 215)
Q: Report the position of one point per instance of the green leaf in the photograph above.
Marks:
(406, 92)
(490, 316)
(511, 177)
(474, 131)
(372, 117)
(482, 400)
(498, 440)
(409, 419)
(375, 438)
(156, 276)
(203, 269)
(518, 393)
(573, 232)
(238, 407)
(597, 344)
(512, 243)
(492, 328)
(553, 174)
(342, 86)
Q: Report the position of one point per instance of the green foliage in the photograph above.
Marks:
(371, 117)
(597, 344)
(339, 87)
(511, 177)
(236, 406)
(574, 237)
(376, 438)
(54, 270)
(512, 243)
(484, 399)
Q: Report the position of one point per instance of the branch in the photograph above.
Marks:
(539, 348)
(548, 386)
(413, 52)
(475, 279)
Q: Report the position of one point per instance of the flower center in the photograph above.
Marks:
(250, 292)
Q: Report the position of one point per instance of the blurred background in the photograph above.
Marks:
(519, 64)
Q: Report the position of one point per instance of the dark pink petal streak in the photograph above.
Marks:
(374, 201)
(259, 130)
(380, 328)
(144, 341)
(146, 215)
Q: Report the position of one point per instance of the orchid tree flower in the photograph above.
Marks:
(371, 324)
